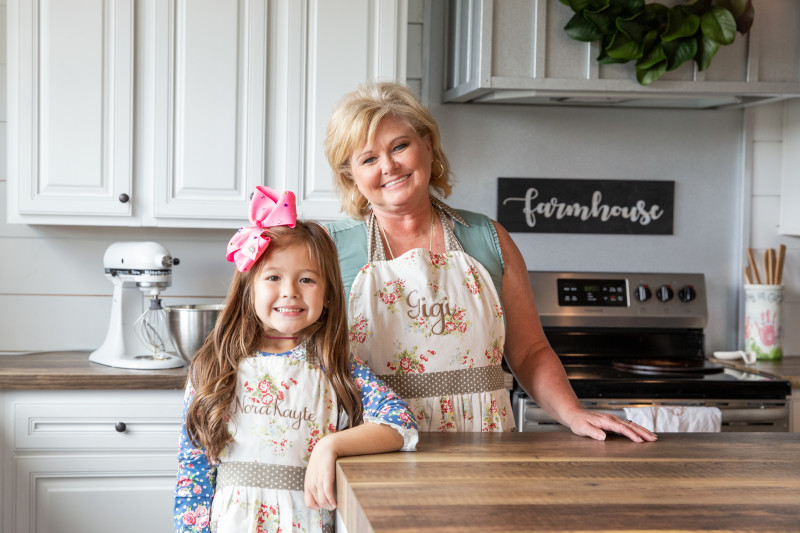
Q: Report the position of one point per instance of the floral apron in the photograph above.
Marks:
(283, 406)
(431, 327)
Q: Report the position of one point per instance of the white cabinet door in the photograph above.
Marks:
(94, 494)
(89, 461)
(209, 107)
(344, 43)
(227, 95)
(70, 108)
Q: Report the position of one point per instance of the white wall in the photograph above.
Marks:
(764, 139)
(54, 296)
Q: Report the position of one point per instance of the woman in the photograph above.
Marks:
(437, 296)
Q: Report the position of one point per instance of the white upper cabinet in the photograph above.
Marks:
(70, 112)
(516, 51)
(170, 114)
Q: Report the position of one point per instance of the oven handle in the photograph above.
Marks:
(534, 413)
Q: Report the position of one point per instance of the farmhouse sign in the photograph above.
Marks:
(547, 205)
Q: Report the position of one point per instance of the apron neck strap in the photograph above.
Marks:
(377, 252)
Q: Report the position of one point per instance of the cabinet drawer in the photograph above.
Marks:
(96, 420)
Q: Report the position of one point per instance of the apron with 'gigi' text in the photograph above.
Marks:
(431, 327)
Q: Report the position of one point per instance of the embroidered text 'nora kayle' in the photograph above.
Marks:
(418, 307)
(638, 212)
(275, 409)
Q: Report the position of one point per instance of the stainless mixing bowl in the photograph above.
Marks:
(189, 325)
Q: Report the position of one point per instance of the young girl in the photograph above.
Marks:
(273, 382)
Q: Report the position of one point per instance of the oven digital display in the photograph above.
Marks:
(593, 292)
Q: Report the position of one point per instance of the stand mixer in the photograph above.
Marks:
(137, 338)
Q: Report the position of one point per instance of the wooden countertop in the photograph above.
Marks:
(473, 482)
(73, 370)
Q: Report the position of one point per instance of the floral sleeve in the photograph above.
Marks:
(382, 405)
(196, 480)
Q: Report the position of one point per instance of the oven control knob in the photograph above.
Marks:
(687, 294)
(643, 293)
(664, 293)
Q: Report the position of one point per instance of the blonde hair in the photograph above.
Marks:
(353, 124)
(238, 333)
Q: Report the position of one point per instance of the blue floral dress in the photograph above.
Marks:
(284, 404)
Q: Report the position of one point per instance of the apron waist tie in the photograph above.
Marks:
(447, 383)
(261, 475)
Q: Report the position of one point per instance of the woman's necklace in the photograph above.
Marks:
(281, 338)
(391, 254)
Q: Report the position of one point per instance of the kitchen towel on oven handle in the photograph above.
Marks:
(676, 419)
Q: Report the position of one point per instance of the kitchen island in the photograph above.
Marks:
(557, 481)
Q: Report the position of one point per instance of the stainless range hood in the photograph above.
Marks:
(516, 52)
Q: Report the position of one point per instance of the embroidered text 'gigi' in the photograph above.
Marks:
(437, 311)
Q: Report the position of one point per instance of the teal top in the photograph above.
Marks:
(478, 238)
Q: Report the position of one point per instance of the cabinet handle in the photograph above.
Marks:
(120, 427)
(123, 198)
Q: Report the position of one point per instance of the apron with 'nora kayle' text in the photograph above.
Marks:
(431, 327)
(284, 404)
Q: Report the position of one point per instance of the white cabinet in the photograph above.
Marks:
(89, 461)
(516, 51)
(169, 113)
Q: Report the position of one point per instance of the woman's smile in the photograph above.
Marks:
(393, 169)
(396, 181)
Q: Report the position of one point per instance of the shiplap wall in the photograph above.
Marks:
(54, 296)
(764, 136)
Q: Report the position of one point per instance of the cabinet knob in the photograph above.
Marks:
(120, 427)
(123, 198)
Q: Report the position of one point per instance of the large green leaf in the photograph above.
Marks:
(603, 19)
(680, 51)
(680, 24)
(633, 28)
(698, 7)
(646, 76)
(706, 48)
(653, 51)
(580, 5)
(581, 29)
(742, 11)
(737, 7)
(655, 15)
(623, 47)
(629, 7)
(719, 25)
(603, 58)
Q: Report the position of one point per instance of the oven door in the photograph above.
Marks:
(737, 415)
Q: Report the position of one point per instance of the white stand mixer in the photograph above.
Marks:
(137, 338)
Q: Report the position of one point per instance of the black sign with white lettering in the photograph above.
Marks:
(545, 205)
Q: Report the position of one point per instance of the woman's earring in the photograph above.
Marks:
(441, 169)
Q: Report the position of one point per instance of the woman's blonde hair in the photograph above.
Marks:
(353, 124)
(238, 334)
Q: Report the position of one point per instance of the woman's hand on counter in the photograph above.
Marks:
(595, 425)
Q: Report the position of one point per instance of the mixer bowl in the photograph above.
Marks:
(189, 325)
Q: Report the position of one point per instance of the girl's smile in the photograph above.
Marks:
(289, 294)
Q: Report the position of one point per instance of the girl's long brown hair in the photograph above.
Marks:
(238, 334)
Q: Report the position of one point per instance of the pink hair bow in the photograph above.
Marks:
(267, 209)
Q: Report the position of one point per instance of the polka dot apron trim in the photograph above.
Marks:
(260, 475)
(435, 384)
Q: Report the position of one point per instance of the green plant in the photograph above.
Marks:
(657, 37)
